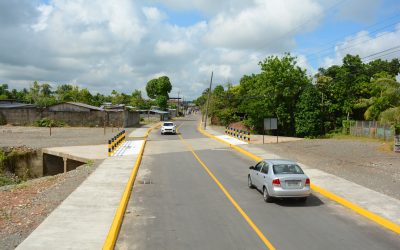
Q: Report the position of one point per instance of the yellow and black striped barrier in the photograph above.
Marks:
(116, 141)
(238, 133)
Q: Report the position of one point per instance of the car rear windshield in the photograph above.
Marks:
(168, 124)
(287, 169)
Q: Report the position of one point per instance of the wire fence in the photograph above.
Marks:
(372, 129)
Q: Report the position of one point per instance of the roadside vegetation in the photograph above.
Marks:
(43, 95)
(309, 106)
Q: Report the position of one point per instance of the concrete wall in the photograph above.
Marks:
(131, 118)
(20, 116)
(28, 116)
(53, 164)
(67, 107)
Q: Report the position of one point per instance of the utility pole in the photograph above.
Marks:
(208, 100)
(178, 104)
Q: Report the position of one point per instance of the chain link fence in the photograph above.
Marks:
(372, 129)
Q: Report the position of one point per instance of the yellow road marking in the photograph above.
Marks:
(227, 194)
(119, 214)
(369, 215)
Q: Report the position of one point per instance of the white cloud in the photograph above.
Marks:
(176, 48)
(367, 46)
(260, 24)
(153, 14)
(105, 45)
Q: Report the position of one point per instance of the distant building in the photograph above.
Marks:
(70, 113)
(74, 107)
(12, 104)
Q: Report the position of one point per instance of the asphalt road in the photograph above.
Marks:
(176, 204)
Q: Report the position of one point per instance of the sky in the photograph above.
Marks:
(106, 45)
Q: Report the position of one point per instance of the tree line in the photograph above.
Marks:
(43, 95)
(306, 105)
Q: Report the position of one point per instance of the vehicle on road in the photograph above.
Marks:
(279, 179)
(168, 128)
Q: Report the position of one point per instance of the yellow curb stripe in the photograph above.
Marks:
(374, 217)
(119, 214)
(230, 198)
(369, 215)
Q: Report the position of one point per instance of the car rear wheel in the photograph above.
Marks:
(266, 196)
(249, 182)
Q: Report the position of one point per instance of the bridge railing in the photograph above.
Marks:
(115, 142)
(242, 135)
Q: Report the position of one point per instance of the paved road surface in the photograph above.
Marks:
(175, 204)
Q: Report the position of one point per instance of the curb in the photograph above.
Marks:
(112, 236)
(367, 214)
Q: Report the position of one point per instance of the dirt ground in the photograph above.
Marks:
(24, 206)
(360, 161)
(35, 137)
(367, 162)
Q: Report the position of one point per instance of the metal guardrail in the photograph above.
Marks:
(115, 142)
(237, 133)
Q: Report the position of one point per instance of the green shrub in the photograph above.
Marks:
(46, 122)
(3, 159)
(397, 129)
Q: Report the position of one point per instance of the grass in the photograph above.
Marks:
(386, 146)
(4, 181)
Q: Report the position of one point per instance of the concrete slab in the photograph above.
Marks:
(231, 140)
(82, 221)
(129, 148)
(138, 133)
(79, 153)
(375, 202)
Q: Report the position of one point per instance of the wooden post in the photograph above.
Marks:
(65, 164)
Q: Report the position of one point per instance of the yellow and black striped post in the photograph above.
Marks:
(109, 148)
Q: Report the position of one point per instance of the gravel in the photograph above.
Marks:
(360, 161)
(35, 137)
(23, 207)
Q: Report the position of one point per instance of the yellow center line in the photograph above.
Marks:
(364, 212)
(227, 194)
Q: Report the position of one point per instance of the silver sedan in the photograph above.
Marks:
(279, 178)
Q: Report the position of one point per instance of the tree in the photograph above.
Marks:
(4, 93)
(386, 94)
(308, 113)
(136, 99)
(274, 92)
(159, 89)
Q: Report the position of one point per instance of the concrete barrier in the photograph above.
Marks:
(242, 135)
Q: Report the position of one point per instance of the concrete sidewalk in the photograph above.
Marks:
(83, 220)
(375, 202)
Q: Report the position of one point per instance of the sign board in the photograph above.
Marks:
(270, 123)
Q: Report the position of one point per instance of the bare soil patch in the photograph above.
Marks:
(24, 206)
(365, 162)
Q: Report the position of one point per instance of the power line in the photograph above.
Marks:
(332, 43)
(382, 56)
(383, 51)
(327, 51)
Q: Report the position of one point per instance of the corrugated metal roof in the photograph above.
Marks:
(85, 106)
(16, 105)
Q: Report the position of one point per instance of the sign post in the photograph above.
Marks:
(271, 124)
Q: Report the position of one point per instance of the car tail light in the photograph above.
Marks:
(276, 182)
(308, 182)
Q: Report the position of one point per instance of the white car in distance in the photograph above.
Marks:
(168, 127)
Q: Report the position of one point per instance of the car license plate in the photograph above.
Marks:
(293, 183)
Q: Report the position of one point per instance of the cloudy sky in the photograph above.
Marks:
(106, 44)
